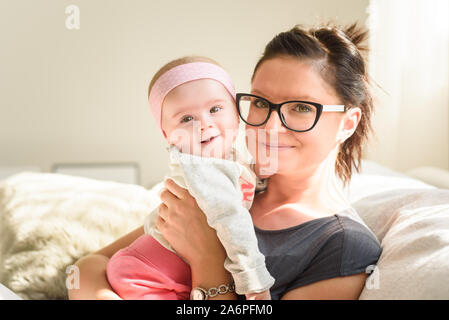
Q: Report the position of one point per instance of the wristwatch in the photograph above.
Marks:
(198, 293)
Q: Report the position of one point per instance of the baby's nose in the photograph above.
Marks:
(206, 123)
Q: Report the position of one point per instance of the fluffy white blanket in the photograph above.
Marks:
(48, 221)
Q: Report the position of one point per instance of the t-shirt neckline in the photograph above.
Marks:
(299, 226)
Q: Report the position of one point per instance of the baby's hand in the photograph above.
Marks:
(265, 295)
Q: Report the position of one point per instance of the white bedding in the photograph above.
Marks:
(6, 294)
(413, 228)
(375, 179)
(411, 220)
(47, 221)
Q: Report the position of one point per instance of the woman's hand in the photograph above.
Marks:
(185, 227)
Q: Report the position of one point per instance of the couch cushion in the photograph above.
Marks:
(413, 228)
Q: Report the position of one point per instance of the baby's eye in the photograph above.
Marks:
(215, 109)
(186, 119)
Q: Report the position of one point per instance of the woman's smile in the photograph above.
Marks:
(277, 146)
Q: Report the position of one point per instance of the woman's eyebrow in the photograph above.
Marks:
(297, 98)
(259, 93)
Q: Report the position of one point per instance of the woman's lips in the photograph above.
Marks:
(277, 146)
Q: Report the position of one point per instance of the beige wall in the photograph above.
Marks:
(80, 95)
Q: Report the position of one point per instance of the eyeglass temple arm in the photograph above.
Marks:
(330, 108)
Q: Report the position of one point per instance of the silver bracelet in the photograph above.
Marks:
(203, 294)
(221, 289)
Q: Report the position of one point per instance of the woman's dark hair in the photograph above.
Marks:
(337, 54)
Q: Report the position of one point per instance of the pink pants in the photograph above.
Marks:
(147, 271)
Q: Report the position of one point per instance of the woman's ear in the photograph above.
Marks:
(348, 124)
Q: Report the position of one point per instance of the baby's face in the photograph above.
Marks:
(200, 118)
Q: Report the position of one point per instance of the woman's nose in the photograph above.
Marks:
(274, 123)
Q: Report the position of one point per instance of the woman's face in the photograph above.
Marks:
(278, 80)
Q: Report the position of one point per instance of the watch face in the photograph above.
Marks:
(197, 294)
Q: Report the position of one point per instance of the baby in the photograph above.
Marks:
(193, 102)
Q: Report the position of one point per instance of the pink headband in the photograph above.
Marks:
(182, 74)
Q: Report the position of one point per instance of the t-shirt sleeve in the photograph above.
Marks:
(350, 250)
(361, 249)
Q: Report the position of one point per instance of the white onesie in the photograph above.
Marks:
(224, 191)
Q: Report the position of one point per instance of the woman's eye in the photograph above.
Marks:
(186, 119)
(215, 109)
(302, 108)
(260, 103)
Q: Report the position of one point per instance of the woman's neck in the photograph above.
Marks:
(317, 189)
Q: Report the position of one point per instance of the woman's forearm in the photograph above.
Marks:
(93, 284)
(185, 226)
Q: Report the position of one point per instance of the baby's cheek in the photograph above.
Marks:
(232, 127)
(180, 138)
(251, 140)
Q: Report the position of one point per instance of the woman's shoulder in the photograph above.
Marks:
(355, 230)
(360, 247)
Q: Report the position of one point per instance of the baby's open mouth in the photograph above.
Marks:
(208, 140)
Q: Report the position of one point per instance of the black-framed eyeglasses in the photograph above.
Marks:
(295, 115)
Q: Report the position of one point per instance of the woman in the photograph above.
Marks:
(313, 248)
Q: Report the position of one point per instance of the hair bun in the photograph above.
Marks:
(357, 35)
(338, 40)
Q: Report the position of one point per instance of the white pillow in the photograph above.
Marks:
(376, 178)
(48, 221)
(413, 228)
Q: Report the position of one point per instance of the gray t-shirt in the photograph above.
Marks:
(319, 249)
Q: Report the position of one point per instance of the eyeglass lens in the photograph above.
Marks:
(296, 115)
